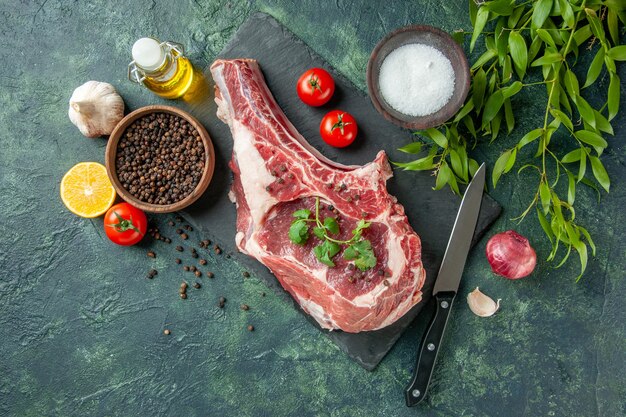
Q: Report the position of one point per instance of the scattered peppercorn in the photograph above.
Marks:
(268, 188)
(246, 274)
(186, 268)
(166, 332)
(179, 231)
(179, 248)
(194, 254)
(183, 287)
(210, 274)
(218, 250)
(263, 294)
(153, 273)
(202, 262)
(245, 307)
(250, 328)
(151, 254)
(386, 282)
(198, 274)
(183, 295)
(184, 236)
(168, 240)
(228, 256)
(179, 219)
(290, 176)
(171, 223)
(177, 260)
(193, 268)
(196, 285)
(188, 227)
(280, 180)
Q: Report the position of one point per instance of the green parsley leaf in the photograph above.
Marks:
(302, 214)
(326, 251)
(299, 232)
(331, 225)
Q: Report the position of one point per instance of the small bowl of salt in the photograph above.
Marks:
(418, 77)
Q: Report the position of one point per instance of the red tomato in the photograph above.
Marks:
(315, 87)
(125, 224)
(338, 128)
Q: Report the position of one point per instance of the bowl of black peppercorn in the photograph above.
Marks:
(160, 159)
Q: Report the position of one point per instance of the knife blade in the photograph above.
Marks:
(446, 286)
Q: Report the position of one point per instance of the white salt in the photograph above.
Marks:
(416, 79)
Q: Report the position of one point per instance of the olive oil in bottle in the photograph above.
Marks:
(161, 67)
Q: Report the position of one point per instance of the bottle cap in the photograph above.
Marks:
(148, 54)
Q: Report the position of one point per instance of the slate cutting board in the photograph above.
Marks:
(283, 57)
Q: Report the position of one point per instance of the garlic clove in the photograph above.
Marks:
(96, 108)
(482, 305)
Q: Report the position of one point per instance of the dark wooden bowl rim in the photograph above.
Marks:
(461, 88)
(111, 152)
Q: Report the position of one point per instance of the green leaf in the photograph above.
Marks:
(586, 111)
(508, 115)
(437, 137)
(362, 254)
(600, 173)
(544, 194)
(562, 117)
(465, 110)
(548, 58)
(458, 36)
(529, 137)
(541, 12)
(413, 148)
(595, 68)
(613, 97)
(596, 24)
(492, 107)
(568, 13)
(519, 53)
(571, 188)
(593, 139)
(602, 123)
(610, 64)
(511, 161)
(361, 224)
(545, 225)
(589, 240)
(443, 176)
(302, 214)
(512, 89)
(618, 53)
(473, 167)
(457, 164)
(299, 232)
(483, 59)
(582, 34)
(481, 19)
(571, 84)
(479, 86)
(495, 126)
(611, 22)
(581, 248)
(499, 166)
(582, 167)
(573, 156)
(326, 251)
(500, 7)
(515, 16)
(502, 40)
(422, 164)
(546, 37)
(331, 225)
(319, 232)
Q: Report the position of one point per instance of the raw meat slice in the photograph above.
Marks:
(276, 172)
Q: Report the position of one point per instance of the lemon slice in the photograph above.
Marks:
(86, 190)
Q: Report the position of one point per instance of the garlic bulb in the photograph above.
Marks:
(95, 108)
(482, 305)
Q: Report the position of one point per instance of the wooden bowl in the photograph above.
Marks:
(111, 153)
(425, 35)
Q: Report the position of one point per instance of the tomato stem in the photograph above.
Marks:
(340, 123)
(124, 225)
(314, 82)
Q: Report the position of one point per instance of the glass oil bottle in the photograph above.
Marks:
(161, 67)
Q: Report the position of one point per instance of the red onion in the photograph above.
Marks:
(510, 255)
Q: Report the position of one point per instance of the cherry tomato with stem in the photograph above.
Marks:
(125, 224)
(315, 87)
(338, 128)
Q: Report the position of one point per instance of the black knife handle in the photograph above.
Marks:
(416, 391)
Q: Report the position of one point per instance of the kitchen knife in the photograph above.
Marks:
(446, 286)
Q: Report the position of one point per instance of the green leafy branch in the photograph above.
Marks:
(536, 38)
(356, 249)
